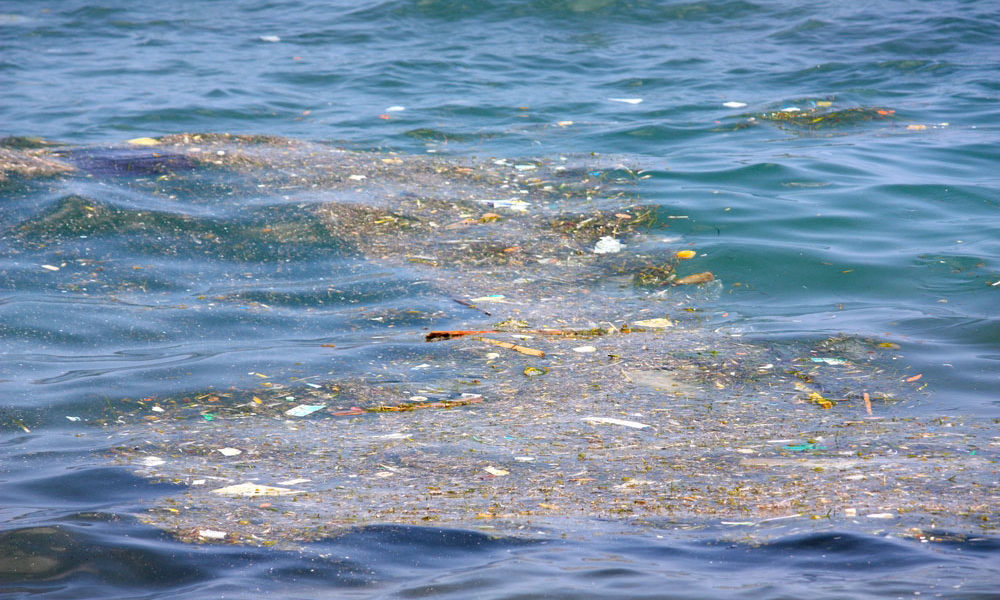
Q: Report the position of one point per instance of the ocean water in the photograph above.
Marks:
(834, 165)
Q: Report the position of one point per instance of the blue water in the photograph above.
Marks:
(886, 228)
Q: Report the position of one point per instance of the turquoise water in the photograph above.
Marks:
(885, 227)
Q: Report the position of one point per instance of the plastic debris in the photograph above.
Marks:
(395, 109)
(152, 461)
(608, 245)
(534, 371)
(914, 378)
(613, 421)
(658, 323)
(584, 349)
(881, 516)
(144, 141)
(273, 39)
(73, 419)
(734, 104)
(626, 100)
(803, 447)
(496, 472)
(514, 205)
(212, 534)
(251, 490)
(685, 254)
(304, 409)
(490, 298)
(695, 279)
(230, 451)
(50, 267)
(829, 361)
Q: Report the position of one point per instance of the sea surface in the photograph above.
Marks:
(835, 165)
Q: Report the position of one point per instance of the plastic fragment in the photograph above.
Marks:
(73, 419)
(230, 451)
(695, 279)
(734, 104)
(50, 267)
(881, 516)
(273, 39)
(251, 490)
(608, 245)
(514, 205)
(914, 378)
(496, 472)
(584, 349)
(658, 323)
(395, 109)
(802, 447)
(212, 534)
(613, 421)
(534, 371)
(829, 361)
(916, 127)
(152, 461)
(144, 141)
(626, 100)
(685, 254)
(304, 409)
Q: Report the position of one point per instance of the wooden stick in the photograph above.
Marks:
(515, 347)
(868, 404)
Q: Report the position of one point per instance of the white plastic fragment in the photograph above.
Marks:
(496, 472)
(251, 490)
(395, 109)
(584, 349)
(524, 458)
(734, 104)
(513, 204)
(270, 38)
(850, 512)
(157, 409)
(152, 461)
(490, 298)
(73, 419)
(655, 323)
(50, 267)
(613, 421)
(303, 410)
(295, 481)
(608, 245)
(230, 451)
(881, 516)
(212, 534)
(626, 100)
(358, 177)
